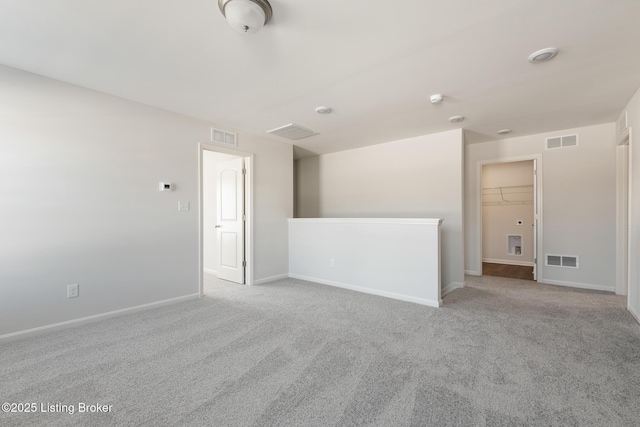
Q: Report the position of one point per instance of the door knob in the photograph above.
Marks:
(218, 226)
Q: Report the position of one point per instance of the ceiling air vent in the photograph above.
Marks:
(562, 261)
(292, 131)
(562, 141)
(223, 137)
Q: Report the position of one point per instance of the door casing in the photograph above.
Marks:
(623, 213)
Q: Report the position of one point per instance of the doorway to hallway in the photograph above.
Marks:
(225, 217)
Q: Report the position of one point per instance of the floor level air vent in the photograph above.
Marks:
(223, 137)
(569, 261)
(562, 141)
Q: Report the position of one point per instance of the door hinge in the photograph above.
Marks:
(244, 171)
(244, 263)
(244, 217)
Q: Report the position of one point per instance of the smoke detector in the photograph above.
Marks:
(435, 99)
(323, 110)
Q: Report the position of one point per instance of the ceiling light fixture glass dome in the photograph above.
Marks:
(246, 16)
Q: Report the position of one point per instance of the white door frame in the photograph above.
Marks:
(538, 177)
(248, 200)
(623, 220)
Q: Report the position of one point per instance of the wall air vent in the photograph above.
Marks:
(562, 141)
(569, 261)
(292, 131)
(223, 137)
(622, 123)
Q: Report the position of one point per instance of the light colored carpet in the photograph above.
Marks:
(501, 352)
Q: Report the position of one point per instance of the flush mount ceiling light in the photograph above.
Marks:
(246, 16)
(543, 55)
(456, 119)
(503, 131)
(323, 110)
(435, 99)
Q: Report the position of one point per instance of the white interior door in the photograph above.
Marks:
(230, 220)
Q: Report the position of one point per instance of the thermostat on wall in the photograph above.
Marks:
(166, 186)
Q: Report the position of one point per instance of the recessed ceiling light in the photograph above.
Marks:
(503, 131)
(543, 55)
(323, 110)
(456, 119)
(435, 99)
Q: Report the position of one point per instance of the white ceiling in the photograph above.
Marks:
(374, 62)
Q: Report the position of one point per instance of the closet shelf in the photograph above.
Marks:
(525, 202)
(507, 195)
(509, 186)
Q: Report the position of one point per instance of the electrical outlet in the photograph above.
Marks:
(184, 206)
(72, 291)
(332, 262)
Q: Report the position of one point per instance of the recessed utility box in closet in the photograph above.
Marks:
(514, 244)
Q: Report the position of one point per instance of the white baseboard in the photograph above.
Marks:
(633, 313)
(578, 285)
(90, 319)
(271, 279)
(208, 271)
(393, 295)
(451, 287)
(472, 273)
(508, 262)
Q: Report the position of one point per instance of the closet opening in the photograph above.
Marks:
(509, 212)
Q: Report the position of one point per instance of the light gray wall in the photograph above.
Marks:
(500, 220)
(272, 204)
(578, 205)
(79, 173)
(418, 177)
(633, 110)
